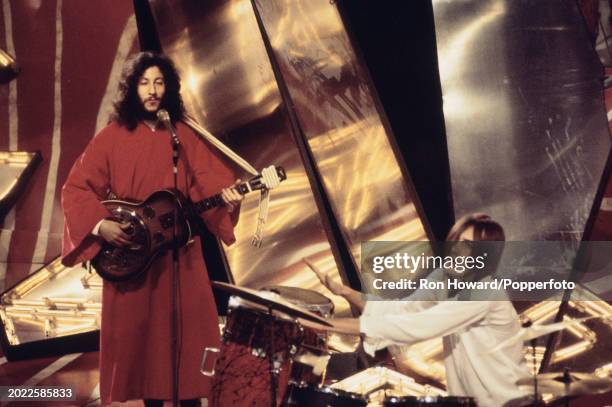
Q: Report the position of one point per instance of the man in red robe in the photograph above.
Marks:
(131, 158)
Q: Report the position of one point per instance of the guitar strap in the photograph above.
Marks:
(264, 197)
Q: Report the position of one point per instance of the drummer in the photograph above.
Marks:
(469, 328)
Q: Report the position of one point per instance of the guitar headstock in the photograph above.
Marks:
(255, 182)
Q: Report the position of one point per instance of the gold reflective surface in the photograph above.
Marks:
(334, 102)
(229, 87)
(13, 164)
(527, 136)
(523, 109)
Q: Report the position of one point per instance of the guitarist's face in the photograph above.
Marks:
(151, 89)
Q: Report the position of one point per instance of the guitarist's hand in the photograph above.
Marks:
(231, 197)
(114, 232)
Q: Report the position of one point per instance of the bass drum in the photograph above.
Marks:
(308, 395)
(429, 401)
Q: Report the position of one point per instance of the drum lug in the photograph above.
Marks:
(258, 352)
(208, 373)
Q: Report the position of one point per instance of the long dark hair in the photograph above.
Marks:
(128, 107)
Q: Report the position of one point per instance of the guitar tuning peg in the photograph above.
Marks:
(269, 177)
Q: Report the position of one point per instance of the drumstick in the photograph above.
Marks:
(315, 270)
(348, 326)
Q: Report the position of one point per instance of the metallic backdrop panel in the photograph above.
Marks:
(523, 106)
(527, 131)
(371, 197)
(229, 86)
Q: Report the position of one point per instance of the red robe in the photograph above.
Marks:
(135, 344)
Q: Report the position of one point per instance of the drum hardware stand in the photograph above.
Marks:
(273, 369)
(537, 401)
(567, 379)
(533, 342)
(536, 397)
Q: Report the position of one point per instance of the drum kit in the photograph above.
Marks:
(267, 358)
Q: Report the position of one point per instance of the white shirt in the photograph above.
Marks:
(469, 330)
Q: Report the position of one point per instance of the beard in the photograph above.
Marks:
(144, 114)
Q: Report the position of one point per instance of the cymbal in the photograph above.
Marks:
(535, 331)
(567, 384)
(307, 299)
(277, 304)
(524, 401)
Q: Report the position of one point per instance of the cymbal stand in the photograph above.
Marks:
(273, 369)
(567, 379)
(536, 397)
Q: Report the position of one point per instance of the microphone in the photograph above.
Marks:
(164, 117)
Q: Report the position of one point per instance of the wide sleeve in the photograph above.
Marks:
(444, 318)
(210, 174)
(419, 300)
(87, 185)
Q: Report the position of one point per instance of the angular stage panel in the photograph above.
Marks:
(16, 167)
(527, 135)
(8, 67)
(526, 127)
(54, 310)
(229, 87)
(367, 184)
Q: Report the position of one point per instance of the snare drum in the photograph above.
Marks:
(429, 401)
(313, 302)
(242, 370)
(308, 395)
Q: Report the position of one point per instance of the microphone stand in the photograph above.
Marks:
(175, 272)
(164, 117)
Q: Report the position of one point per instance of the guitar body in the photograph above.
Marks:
(151, 231)
(151, 228)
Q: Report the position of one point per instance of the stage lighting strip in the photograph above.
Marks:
(377, 382)
(545, 310)
(15, 157)
(605, 371)
(92, 281)
(51, 271)
(424, 358)
(52, 322)
(53, 316)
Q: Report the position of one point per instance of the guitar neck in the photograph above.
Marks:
(244, 188)
(216, 201)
